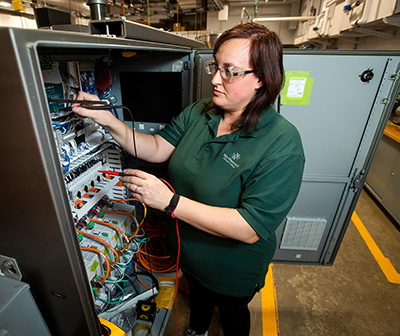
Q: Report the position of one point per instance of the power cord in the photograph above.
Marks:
(133, 123)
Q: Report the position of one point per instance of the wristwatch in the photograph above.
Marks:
(169, 210)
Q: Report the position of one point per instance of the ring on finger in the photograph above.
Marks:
(136, 189)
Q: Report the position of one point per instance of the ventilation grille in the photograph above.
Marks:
(303, 233)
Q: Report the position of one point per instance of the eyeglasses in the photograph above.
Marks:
(229, 74)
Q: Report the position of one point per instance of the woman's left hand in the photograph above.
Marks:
(147, 188)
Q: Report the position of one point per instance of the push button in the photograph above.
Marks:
(207, 148)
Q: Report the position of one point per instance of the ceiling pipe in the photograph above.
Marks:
(244, 10)
(269, 3)
(260, 3)
(323, 18)
(364, 17)
(287, 18)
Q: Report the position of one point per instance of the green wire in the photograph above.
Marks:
(119, 301)
(122, 266)
(256, 8)
(105, 301)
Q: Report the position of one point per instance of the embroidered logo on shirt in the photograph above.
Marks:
(231, 160)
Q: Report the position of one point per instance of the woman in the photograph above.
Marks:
(237, 166)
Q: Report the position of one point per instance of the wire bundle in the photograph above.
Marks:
(152, 254)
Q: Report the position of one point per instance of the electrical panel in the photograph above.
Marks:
(111, 226)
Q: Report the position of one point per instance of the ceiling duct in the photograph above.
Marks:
(78, 6)
(97, 9)
(287, 18)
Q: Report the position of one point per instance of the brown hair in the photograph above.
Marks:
(266, 60)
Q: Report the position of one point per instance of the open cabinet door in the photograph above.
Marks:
(46, 195)
(339, 101)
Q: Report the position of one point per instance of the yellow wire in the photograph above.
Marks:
(148, 12)
(144, 215)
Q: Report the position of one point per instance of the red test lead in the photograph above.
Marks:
(110, 172)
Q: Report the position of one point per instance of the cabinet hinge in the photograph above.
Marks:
(356, 182)
(9, 268)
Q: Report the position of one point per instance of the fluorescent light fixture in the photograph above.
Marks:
(5, 4)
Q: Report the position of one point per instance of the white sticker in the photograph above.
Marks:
(167, 284)
(52, 75)
(177, 66)
(296, 88)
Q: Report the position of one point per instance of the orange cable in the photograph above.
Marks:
(127, 213)
(134, 234)
(104, 243)
(137, 275)
(116, 228)
(152, 255)
(133, 199)
(124, 199)
(105, 258)
(120, 212)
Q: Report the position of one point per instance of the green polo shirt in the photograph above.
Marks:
(259, 174)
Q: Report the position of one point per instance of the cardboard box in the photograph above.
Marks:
(177, 26)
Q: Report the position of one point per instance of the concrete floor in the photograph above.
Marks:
(352, 297)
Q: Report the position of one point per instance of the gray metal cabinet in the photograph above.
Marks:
(19, 314)
(341, 127)
(392, 194)
(383, 179)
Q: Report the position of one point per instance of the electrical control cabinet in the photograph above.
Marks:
(73, 223)
(340, 124)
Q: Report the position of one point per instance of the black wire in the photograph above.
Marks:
(151, 276)
(145, 272)
(151, 326)
(133, 123)
(132, 282)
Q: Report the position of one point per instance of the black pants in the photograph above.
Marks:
(234, 313)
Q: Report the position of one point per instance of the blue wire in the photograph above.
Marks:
(66, 168)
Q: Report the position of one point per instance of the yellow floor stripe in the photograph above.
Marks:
(270, 321)
(384, 263)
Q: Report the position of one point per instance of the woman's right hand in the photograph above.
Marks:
(102, 117)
